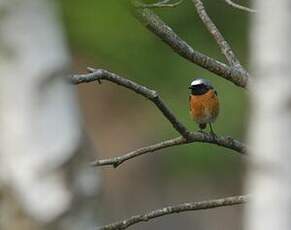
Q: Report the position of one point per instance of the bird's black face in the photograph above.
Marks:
(200, 89)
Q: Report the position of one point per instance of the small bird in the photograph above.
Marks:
(204, 104)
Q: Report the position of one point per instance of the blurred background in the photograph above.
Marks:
(104, 34)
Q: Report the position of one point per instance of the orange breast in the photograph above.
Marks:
(204, 108)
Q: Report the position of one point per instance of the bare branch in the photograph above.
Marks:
(153, 96)
(187, 136)
(116, 161)
(237, 6)
(227, 142)
(152, 22)
(234, 73)
(213, 30)
(191, 206)
(160, 4)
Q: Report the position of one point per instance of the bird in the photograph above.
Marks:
(204, 103)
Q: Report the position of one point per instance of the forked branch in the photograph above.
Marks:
(234, 73)
(227, 142)
(187, 136)
(152, 22)
(213, 30)
(190, 206)
(153, 96)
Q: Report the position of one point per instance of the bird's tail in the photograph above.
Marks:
(202, 126)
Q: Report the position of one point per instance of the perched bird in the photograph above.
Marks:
(204, 104)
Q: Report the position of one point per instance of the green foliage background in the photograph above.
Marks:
(107, 33)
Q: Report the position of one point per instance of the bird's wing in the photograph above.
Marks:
(189, 102)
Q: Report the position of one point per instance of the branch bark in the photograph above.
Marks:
(187, 136)
(153, 96)
(237, 6)
(153, 23)
(191, 206)
(213, 30)
(234, 73)
(160, 4)
(227, 142)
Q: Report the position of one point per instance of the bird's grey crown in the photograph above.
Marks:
(200, 81)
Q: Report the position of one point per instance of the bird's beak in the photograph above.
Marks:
(190, 87)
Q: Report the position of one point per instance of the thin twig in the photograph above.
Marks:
(191, 206)
(152, 22)
(227, 142)
(160, 4)
(153, 96)
(237, 6)
(213, 30)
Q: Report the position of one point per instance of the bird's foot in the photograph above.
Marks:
(201, 131)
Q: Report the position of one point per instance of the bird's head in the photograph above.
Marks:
(200, 86)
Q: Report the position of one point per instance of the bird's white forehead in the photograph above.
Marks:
(199, 81)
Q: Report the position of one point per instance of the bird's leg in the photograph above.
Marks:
(201, 127)
(211, 130)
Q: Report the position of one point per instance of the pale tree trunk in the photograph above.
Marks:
(269, 180)
(40, 128)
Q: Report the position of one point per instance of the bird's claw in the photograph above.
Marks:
(202, 131)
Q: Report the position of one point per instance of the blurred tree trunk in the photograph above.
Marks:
(270, 128)
(45, 181)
